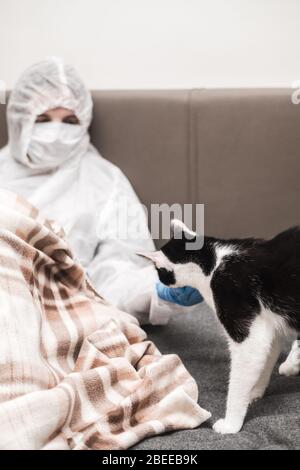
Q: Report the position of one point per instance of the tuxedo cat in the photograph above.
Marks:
(253, 286)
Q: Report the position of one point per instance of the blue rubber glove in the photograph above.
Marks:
(185, 296)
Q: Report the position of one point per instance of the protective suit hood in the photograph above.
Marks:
(46, 85)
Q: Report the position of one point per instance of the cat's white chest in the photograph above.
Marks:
(206, 291)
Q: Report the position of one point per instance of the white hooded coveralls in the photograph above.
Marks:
(82, 194)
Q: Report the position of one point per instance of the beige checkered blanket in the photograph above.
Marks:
(75, 372)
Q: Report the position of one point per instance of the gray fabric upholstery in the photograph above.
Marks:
(271, 423)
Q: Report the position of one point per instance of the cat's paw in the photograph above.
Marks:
(224, 426)
(289, 368)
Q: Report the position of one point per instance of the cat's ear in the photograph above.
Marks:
(180, 230)
(151, 255)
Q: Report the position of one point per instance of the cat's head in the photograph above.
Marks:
(177, 263)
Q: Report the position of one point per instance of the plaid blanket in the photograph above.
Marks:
(75, 372)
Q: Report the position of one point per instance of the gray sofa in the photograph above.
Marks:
(236, 151)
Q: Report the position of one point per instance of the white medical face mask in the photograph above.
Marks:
(52, 143)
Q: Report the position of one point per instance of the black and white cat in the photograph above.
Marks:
(253, 286)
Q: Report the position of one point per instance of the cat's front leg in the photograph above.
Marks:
(249, 360)
(259, 389)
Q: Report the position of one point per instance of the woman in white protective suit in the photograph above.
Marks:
(50, 161)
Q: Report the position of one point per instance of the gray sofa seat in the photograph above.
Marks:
(271, 423)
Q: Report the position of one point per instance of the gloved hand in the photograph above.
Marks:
(185, 296)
